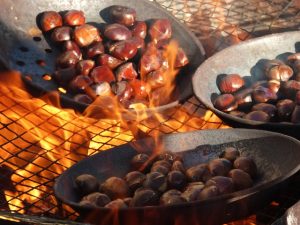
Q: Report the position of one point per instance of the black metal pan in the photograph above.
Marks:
(277, 157)
(245, 59)
(22, 43)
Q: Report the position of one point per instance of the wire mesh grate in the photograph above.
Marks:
(39, 141)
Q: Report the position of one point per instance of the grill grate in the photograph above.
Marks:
(39, 141)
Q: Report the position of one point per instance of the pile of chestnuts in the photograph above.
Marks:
(274, 99)
(126, 59)
(164, 180)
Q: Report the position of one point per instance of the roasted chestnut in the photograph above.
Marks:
(86, 184)
(219, 167)
(135, 180)
(140, 162)
(102, 89)
(246, 164)
(164, 163)
(150, 61)
(140, 89)
(257, 116)
(161, 29)
(208, 192)
(240, 179)
(297, 98)
(178, 166)
(108, 60)
(126, 72)
(80, 83)
(116, 204)
(262, 94)
(64, 76)
(139, 29)
(74, 18)
(123, 15)
(123, 50)
(84, 67)
(50, 20)
(83, 98)
(296, 115)
(115, 188)
(181, 58)
(98, 199)
(231, 83)
(127, 201)
(290, 88)
(192, 191)
(156, 181)
(160, 168)
(117, 32)
(265, 107)
(176, 180)
(72, 46)
(285, 109)
(102, 74)
(122, 90)
(237, 113)
(226, 103)
(230, 154)
(95, 49)
(67, 59)
(198, 173)
(224, 184)
(86, 34)
(172, 197)
(244, 97)
(156, 79)
(144, 197)
(60, 34)
(280, 72)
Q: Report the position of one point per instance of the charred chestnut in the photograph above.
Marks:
(144, 197)
(246, 164)
(285, 109)
(102, 89)
(226, 103)
(176, 180)
(265, 107)
(156, 181)
(230, 154)
(219, 167)
(231, 83)
(257, 116)
(115, 188)
(198, 173)
(208, 192)
(116, 204)
(240, 179)
(86, 184)
(122, 90)
(123, 15)
(224, 184)
(135, 180)
(74, 18)
(181, 58)
(64, 76)
(192, 191)
(156, 79)
(178, 166)
(140, 89)
(140, 162)
(50, 20)
(160, 168)
(98, 199)
(172, 197)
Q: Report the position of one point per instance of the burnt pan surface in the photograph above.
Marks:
(277, 157)
(245, 59)
(22, 43)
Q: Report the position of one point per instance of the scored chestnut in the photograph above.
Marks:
(140, 89)
(86, 184)
(80, 83)
(123, 15)
(178, 166)
(226, 102)
(50, 20)
(280, 72)
(156, 181)
(115, 188)
(231, 83)
(135, 180)
(244, 98)
(181, 58)
(156, 79)
(126, 72)
(122, 90)
(117, 32)
(262, 94)
(290, 88)
(74, 18)
(84, 67)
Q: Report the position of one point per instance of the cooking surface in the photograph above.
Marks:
(33, 149)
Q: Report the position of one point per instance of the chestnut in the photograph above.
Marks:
(140, 89)
(122, 90)
(50, 20)
(86, 203)
(241, 180)
(116, 204)
(246, 164)
(176, 180)
(138, 42)
(280, 72)
(67, 59)
(127, 201)
(86, 184)
(262, 94)
(224, 184)
(208, 192)
(192, 191)
(135, 180)
(115, 188)
(86, 34)
(231, 83)
(109, 61)
(140, 162)
(226, 103)
(296, 115)
(98, 199)
(294, 57)
(139, 29)
(237, 113)
(126, 72)
(161, 29)
(156, 181)
(72, 46)
(60, 34)
(151, 60)
(83, 98)
(156, 79)
(230, 153)
(285, 109)
(219, 167)
(102, 89)
(265, 107)
(181, 58)
(123, 15)
(74, 18)
(80, 83)
(64, 76)
(178, 166)
(272, 63)
(172, 197)
(95, 49)
(244, 97)
(84, 67)
(164, 163)
(297, 98)
(117, 32)
(160, 168)
(290, 88)
(257, 116)
(273, 85)
(144, 197)
(123, 50)
(198, 173)
(102, 74)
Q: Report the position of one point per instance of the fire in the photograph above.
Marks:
(39, 140)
